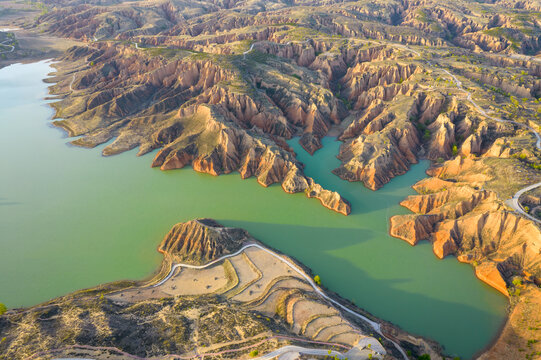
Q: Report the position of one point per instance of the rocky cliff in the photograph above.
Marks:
(201, 241)
(475, 226)
(198, 112)
(499, 27)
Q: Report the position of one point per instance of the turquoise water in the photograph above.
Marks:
(70, 219)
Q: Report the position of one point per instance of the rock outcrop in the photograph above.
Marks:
(200, 114)
(201, 241)
(474, 225)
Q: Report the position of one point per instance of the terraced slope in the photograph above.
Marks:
(236, 301)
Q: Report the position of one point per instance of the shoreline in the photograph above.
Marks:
(167, 267)
(60, 127)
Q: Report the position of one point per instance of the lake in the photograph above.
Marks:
(71, 218)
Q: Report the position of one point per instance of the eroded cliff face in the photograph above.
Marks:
(221, 115)
(199, 113)
(201, 241)
(460, 218)
(397, 122)
(214, 26)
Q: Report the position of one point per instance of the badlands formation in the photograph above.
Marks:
(222, 85)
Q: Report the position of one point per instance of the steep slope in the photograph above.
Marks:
(196, 110)
(201, 241)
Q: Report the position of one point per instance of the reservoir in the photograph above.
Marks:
(71, 219)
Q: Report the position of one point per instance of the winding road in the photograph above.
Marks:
(278, 352)
(4, 44)
(298, 349)
(71, 82)
(514, 201)
(376, 326)
(248, 51)
(5, 41)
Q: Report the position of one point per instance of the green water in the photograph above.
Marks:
(70, 219)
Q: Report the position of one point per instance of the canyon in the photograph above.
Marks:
(239, 88)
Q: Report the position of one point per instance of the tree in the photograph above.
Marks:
(3, 309)
(317, 279)
(254, 353)
(424, 357)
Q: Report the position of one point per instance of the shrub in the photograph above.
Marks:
(517, 292)
(3, 309)
(254, 353)
(317, 279)
(424, 357)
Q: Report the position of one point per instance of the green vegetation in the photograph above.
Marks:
(317, 279)
(422, 16)
(3, 309)
(424, 357)
(254, 353)
(345, 101)
(515, 292)
(505, 33)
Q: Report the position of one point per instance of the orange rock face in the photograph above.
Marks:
(411, 228)
(196, 118)
(330, 199)
(489, 273)
(471, 224)
(201, 241)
